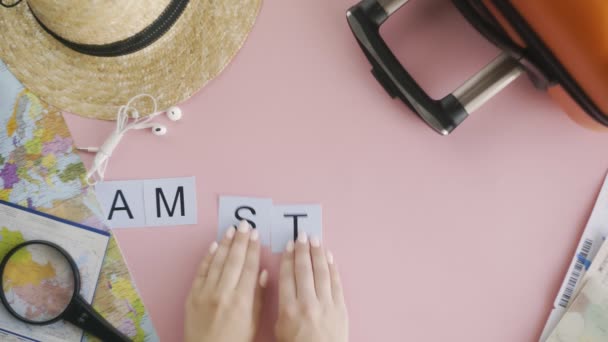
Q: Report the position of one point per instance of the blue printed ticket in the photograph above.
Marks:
(595, 232)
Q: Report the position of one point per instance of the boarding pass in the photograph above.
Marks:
(595, 232)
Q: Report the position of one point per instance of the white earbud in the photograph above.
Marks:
(174, 113)
(127, 118)
(158, 129)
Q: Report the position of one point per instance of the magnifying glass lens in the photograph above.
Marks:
(38, 283)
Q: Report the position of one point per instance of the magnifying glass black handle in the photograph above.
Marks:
(81, 314)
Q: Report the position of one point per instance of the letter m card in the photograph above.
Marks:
(170, 201)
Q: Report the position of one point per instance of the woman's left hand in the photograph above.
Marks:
(226, 297)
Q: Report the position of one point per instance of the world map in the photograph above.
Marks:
(37, 281)
(40, 169)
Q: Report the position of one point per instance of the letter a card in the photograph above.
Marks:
(257, 211)
(122, 203)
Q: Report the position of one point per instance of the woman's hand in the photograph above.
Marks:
(311, 303)
(226, 297)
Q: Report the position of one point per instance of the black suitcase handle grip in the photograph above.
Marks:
(444, 114)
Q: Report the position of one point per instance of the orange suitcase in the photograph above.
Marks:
(561, 44)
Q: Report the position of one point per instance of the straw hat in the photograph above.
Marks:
(90, 57)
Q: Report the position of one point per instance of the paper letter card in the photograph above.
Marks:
(594, 234)
(153, 202)
(257, 211)
(288, 221)
(276, 224)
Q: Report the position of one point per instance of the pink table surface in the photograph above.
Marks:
(464, 238)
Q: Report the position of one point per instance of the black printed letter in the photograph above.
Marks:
(124, 207)
(295, 223)
(240, 218)
(178, 195)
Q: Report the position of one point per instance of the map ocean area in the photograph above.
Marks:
(40, 169)
(29, 271)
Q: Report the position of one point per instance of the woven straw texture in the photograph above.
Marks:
(195, 50)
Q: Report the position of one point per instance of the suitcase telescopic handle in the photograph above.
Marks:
(444, 114)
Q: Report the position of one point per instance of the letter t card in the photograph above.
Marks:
(289, 221)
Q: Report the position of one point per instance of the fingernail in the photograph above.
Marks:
(289, 246)
(244, 226)
(330, 258)
(254, 235)
(314, 241)
(264, 279)
(230, 232)
(303, 237)
(213, 247)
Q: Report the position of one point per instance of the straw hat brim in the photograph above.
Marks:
(195, 50)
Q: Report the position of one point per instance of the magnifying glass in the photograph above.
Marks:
(40, 285)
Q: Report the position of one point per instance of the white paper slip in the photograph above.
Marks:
(586, 317)
(257, 211)
(151, 202)
(598, 266)
(170, 201)
(122, 202)
(593, 236)
(275, 224)
(288, 221)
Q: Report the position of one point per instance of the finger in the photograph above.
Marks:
(321, 270)
(260, 286)
(233, 267)
(217, 264)
(251, 268)
(203, 268)
(337, 292)
(287, 280)
(305, 283)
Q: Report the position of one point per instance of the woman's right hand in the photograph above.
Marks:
(311, 301)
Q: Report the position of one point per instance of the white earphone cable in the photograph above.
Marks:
(123, 125)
